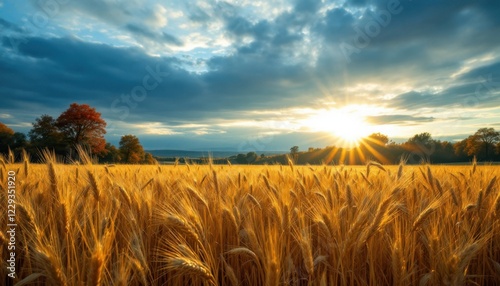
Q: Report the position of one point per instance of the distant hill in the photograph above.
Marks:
(317, 156)
(204, 154)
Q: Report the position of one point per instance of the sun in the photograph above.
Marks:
(347, 125)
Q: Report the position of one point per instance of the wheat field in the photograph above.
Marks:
(253, 225)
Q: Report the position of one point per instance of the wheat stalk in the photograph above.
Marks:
(384, 206)
(397, 264)
(96, 266)
(28, 218)
(229, 217)
(479, 202)
(454, 197)
(305, 247)
(465, 257)
(190, 268)
(147, 184)
(348, 194)
(229, 271)
(96, 191)
(3, 240)
(497, 205)
(254, 201)
(197, 196)
(65, 218)
(2, 161)
(142, 271)
(243, 250)
(490, 186)
(53, 181)
(52, 266)
(126, 197)
(181, 226)
(422, 217)
(400, 171)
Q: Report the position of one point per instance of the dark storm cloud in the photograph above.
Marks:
(267, 35)
(478, 88)
(159, 37)
(423, 45)
(490, 73)
(6, 25)
(358, 3)
(428, 36)
(336, 25)
(307, 6)
(398, 119)
(58, 71)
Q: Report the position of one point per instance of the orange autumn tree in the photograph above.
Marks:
(6, 135)
(83, 125)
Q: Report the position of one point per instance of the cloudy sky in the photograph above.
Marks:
(254, 75)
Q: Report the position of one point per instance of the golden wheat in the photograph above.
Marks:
(254, 225)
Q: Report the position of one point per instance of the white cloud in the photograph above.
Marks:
(175, 14)
(206, 131)
(159, 17)
(474, 63)
(156, 128)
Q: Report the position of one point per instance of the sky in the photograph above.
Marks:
(254, 75)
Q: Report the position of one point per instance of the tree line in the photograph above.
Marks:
(484, 145)
(79, 125)
(82, 125)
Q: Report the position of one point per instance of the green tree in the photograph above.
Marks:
(444, 152)
(19, 142)
(241, 159)
(422, 139)
(377, 138)
(294, 152)
(112, 154)
(45, 134)
(131, 150)
(251, 157)
(486, 139)
(421, 147)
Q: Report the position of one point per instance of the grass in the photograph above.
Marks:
(254, 225)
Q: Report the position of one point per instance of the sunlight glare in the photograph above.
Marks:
(349, 126)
